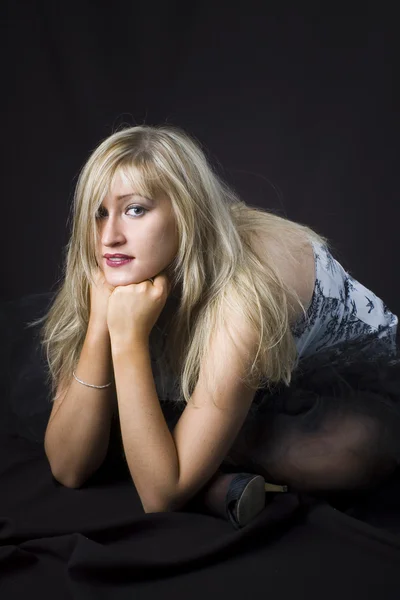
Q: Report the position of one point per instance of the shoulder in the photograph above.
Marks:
(295, 263)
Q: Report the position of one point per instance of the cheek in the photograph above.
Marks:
(166, 241)
(173, 236)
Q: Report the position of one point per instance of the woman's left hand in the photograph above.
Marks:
(133, 309)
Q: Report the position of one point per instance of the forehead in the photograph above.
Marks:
(123, 185)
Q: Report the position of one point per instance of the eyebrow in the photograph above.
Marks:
(134, 194)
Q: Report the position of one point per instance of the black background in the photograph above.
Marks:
(297, 109)
(300, 113)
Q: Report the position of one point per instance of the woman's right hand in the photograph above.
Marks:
(99, 295)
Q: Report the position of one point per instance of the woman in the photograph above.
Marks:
(211, 300)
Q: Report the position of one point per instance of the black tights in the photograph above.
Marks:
(335, 429)
(330, 446)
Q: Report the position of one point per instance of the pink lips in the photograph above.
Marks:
(118, 263)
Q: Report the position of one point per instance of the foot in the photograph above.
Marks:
(215, 493)
(238, 497)
(245, 498)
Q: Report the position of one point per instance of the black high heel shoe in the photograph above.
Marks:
(237, 497)
(245, 498)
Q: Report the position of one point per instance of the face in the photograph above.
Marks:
(144, 229)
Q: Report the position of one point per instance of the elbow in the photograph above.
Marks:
(68, 482)
(72, 485)
(157, 505)
(171, 506)
(65, 479)
(157, 509)
(148, 510)
(154, 507)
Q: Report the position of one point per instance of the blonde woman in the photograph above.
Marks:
(176, 289)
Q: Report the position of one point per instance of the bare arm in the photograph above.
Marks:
(169, 469)
(149, 447)
(77, 435)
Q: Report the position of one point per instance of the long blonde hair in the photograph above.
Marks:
(216, 266)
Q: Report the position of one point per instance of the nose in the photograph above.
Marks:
(112, 231)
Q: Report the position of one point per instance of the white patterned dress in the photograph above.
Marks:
(341, 310)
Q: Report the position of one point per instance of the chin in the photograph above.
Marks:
(123, 279)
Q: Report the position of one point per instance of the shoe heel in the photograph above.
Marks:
(252, 501)
(245, 499)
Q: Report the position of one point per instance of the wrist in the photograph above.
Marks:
(97, 330)
(128, 343)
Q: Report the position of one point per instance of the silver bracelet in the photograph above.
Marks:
(99, 386)
(90, 384)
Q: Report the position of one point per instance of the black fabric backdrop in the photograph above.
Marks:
(295, 106)
(298, 109)
(96, 541)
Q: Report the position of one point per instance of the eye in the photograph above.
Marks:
(101, 212)
(137, 206)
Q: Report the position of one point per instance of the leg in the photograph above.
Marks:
(213, 495)
(346, 452)
(238, 497)
(340, 458)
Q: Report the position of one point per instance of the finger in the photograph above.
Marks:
(161, 277)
